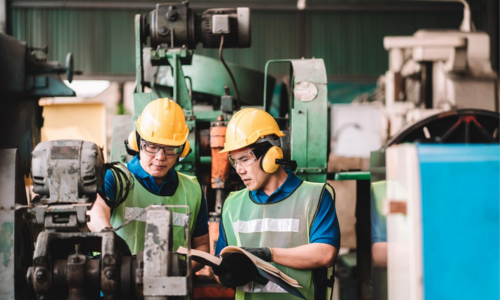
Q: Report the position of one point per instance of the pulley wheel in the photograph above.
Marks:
(464, 126)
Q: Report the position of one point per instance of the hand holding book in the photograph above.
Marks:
(237, 267)
(235, 270)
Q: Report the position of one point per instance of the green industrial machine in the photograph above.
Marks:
(210, 91)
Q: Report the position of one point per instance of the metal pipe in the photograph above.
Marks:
(389, 6)
(205, 160)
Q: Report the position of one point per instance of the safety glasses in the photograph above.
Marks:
(244, 159)
(154, 148)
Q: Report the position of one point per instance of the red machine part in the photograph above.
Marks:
(220, 163)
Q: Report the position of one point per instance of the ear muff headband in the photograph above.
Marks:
(131, 144)
(268, 162)
(185, 152)
(137, 141)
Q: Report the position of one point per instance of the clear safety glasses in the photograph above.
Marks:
(154, 148)
(244, 159)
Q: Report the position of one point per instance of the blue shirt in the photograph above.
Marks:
(378, 221)
(168, 188)
(325, 228)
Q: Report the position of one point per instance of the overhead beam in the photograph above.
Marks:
(390, 6)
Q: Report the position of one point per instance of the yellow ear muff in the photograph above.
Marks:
(186, 151)
(132, 141)
(268, 161)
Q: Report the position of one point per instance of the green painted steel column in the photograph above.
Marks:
(138, 55)
(308, 117)
(181, 92)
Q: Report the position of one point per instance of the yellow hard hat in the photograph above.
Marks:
(247, 126)
(162, 122)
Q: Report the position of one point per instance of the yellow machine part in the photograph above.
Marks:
(85, 121)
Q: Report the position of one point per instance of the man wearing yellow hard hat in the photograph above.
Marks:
(159, 141)
(278, 217)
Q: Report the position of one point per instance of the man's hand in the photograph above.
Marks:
(232, 279)
(201, 243)
(235, 270)
(264, 253)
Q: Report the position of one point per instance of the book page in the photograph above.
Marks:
(206, 256)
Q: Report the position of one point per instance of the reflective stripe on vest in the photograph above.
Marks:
(188, 193)
(254, 287)
(282, 224)
(131, 213)
(262, 225)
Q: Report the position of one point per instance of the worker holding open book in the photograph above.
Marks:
(278, 217)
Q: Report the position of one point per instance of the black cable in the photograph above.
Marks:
(230, 74)
(122, 180)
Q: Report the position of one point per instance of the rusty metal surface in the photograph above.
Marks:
(53, 270)
(157, 243)
(204, 142)
(139, 274)
(67, 171)
(110, 265)
(75, 272)
(127, 278)
(157, 281)
(220, 163)
(157, 252)
(67, 175)
(213, 292)
(171, 286)
(217, 134)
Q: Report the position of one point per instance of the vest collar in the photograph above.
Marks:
(136, 169)
(291, 183)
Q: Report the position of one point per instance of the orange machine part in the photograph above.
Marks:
(220, 163)
(213, 292)
(213, 234)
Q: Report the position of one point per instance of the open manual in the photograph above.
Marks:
(265, 269)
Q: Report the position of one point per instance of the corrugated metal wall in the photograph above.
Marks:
(351, 43)
(101, 41)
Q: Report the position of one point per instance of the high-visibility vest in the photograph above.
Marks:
(188, 193)
(282, 224)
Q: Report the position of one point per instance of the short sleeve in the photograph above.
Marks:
(110, 186)
(325, 228)
(201, 225)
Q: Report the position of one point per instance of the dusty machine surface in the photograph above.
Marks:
(438, 70)
(67, 176)
(440, 94)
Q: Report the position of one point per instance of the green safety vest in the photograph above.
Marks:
(188, 193)
(282, 224)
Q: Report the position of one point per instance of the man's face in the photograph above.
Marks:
(252, 175)
(156, 164)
